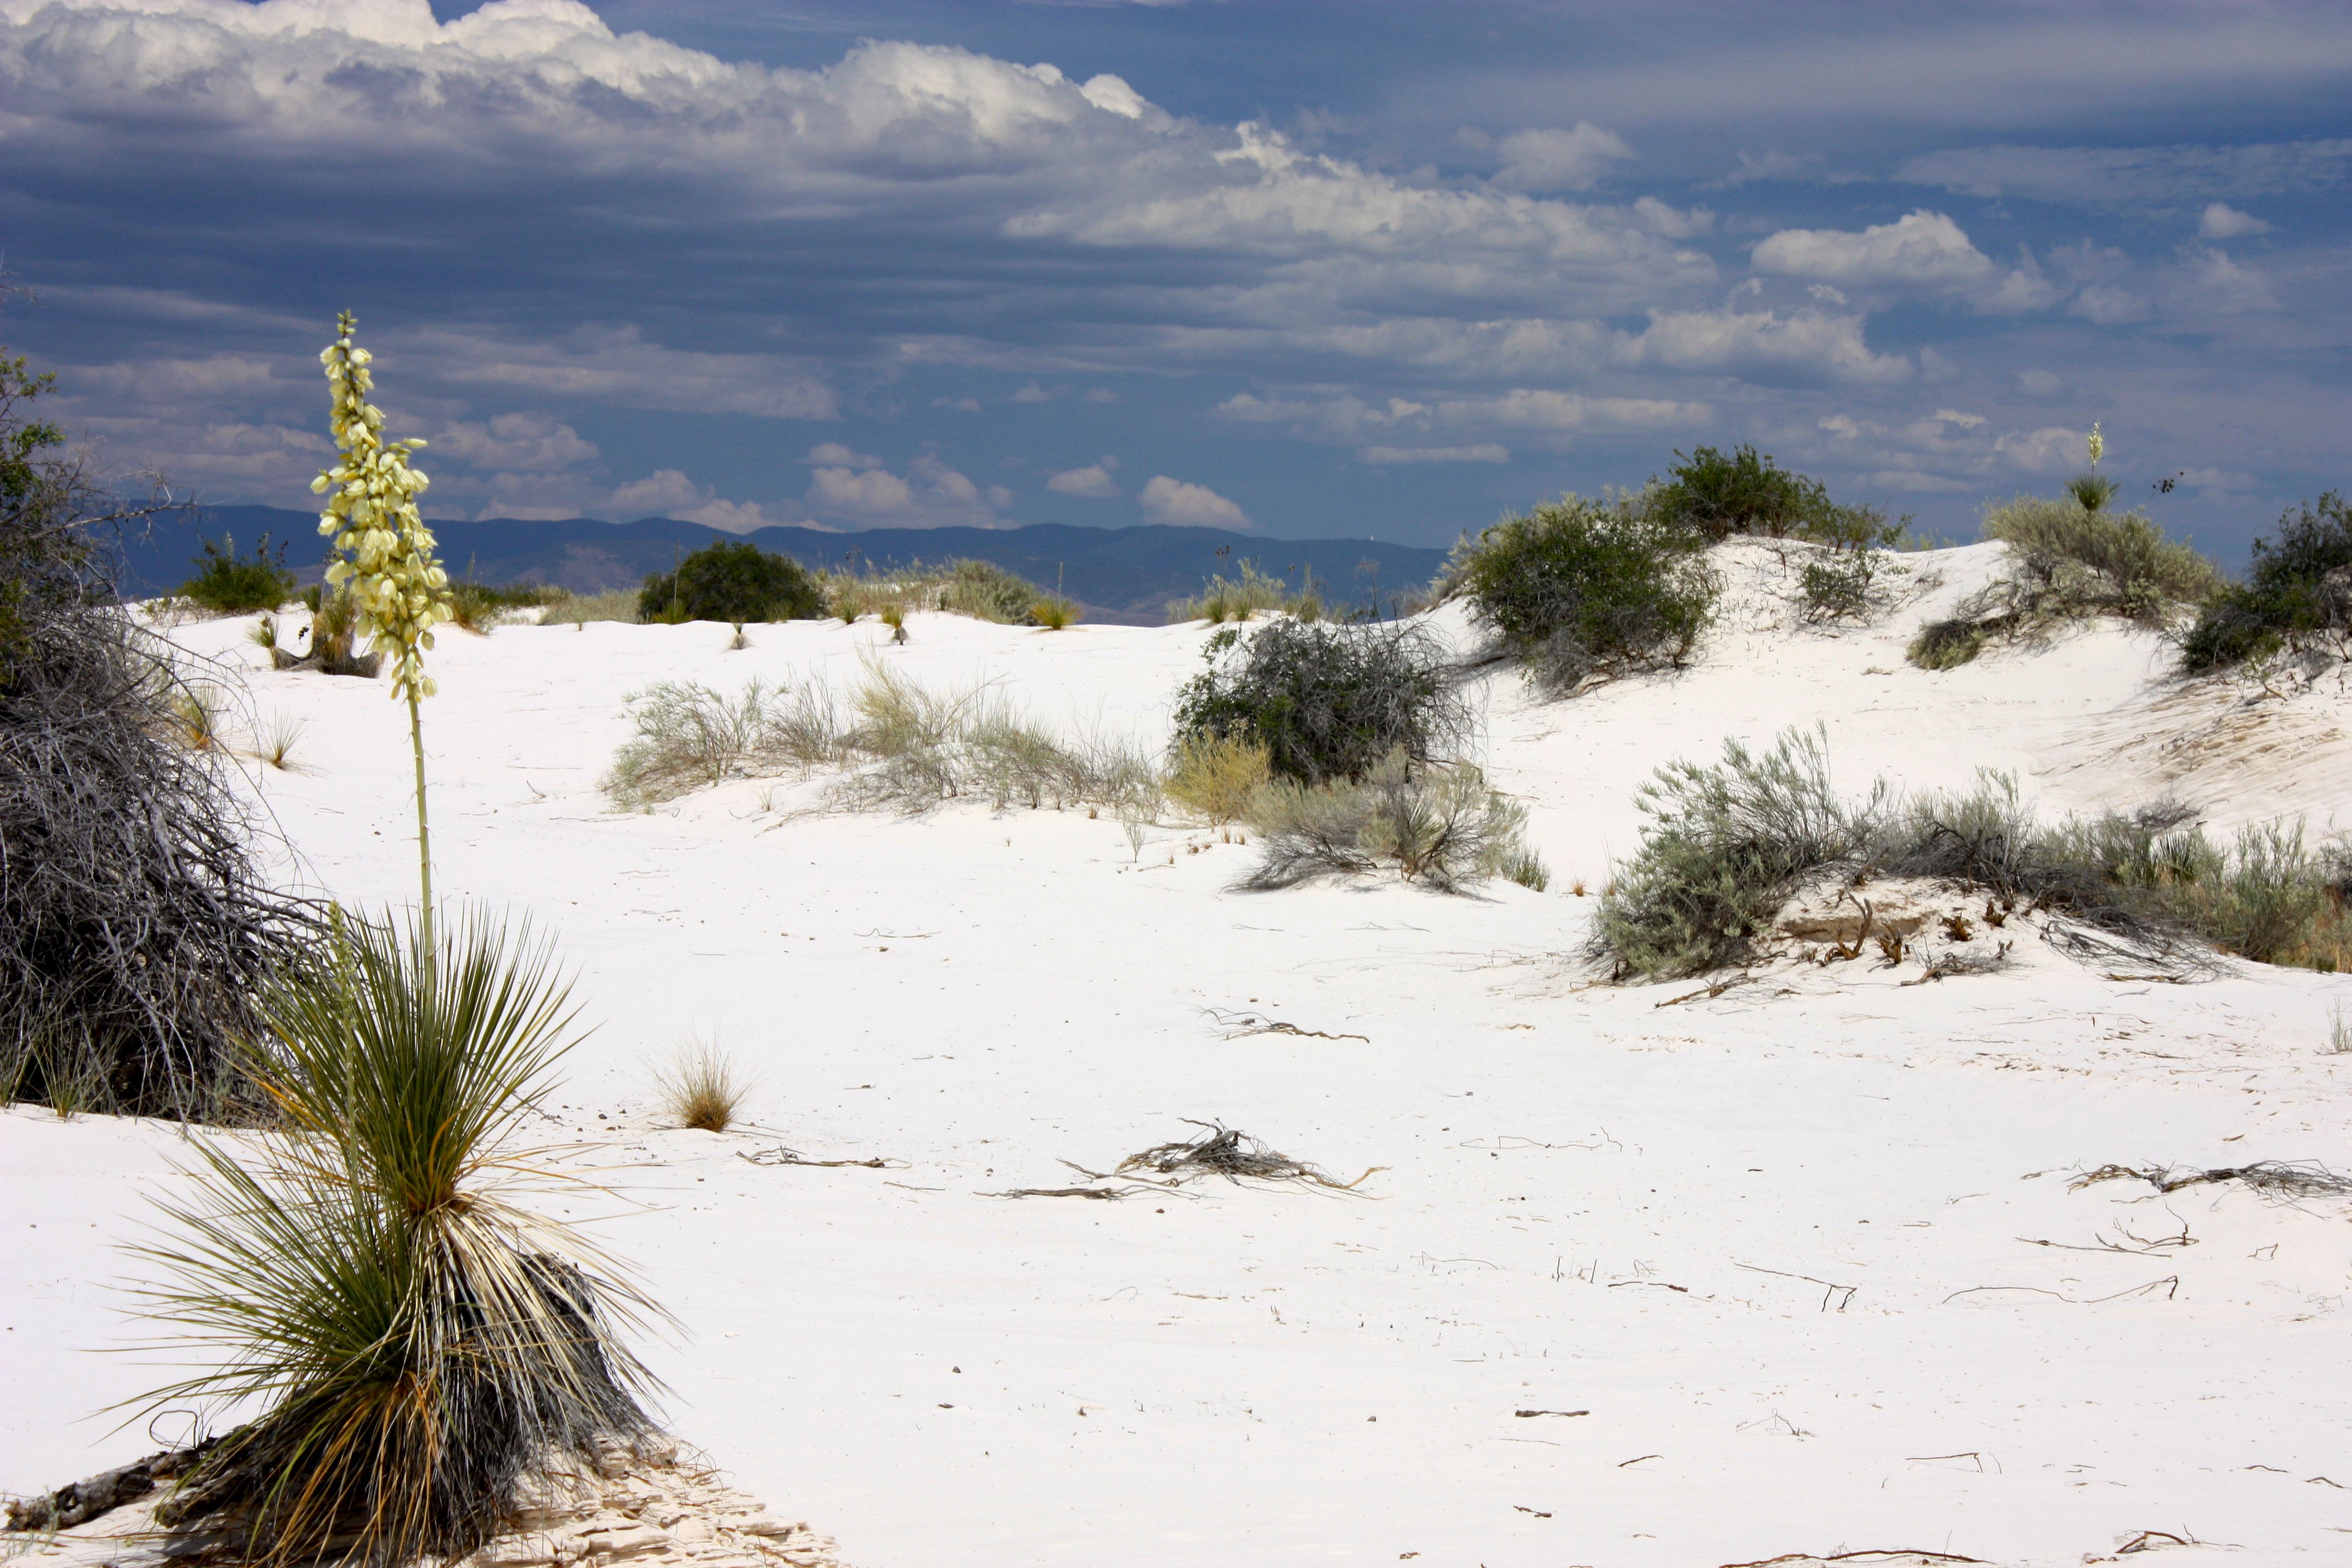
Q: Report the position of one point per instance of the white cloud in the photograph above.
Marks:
(1922, 251)
(1479, 452)
(1032, 393)
(1101, 394)
(2052, 450)
(1549, 159)
(1965, 421)
(2221, 221)
(859, 492)
(667, 492)
(1196, 506)
(1810, 342)
(1526, 408)
(832, 454)
(1672, 223)
(2041, 383)
(615, 364)
(1093, 481)
(528, 443)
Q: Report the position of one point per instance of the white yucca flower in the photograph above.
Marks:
(401, 590)
(2098, 444)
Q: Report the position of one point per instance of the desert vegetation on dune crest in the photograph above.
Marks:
(731, 580)
(2296, 598)
(1436, 823)
(1329, 702)
(1729, 842)
(227, 584)
(1244, 597)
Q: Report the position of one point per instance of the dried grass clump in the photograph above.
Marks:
(274, 744)
(1214, 776)
(1251, 594)
(1435, 823)
(702, 1088)
(426, 1348)
(906, 749)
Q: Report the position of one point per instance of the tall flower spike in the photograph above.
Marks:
(370, 513)
(2098, 444)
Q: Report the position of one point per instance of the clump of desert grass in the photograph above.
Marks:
(2069, 563)
(478, 607)
(701, 1087)
(197, 708)
(979, 589)
(1248, 594)
(578, 609)
(1439, 823)
(274, 743)
(424, 1346)
(1728, 845)
(896, 745)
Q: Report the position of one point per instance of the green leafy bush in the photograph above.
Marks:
(731, 580)
(1581, 588)
(1715, 495)
(1327, 702)
(232, 585)
(479, 606)
(2298, 589)
(1840, 588)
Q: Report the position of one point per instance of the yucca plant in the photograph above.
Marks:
(426, 1345)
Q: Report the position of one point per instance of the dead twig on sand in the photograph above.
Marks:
(1828, 1289)
(1898, 1558)
(1241, 1025)
(780, 1156)
(1523, 1414)
(1709, 991)
(2149, 1540)
(1951, 963)
(1234, 1154)
(2279, 1179)
(1109, 1195)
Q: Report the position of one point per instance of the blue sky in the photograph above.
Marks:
(1309, 270)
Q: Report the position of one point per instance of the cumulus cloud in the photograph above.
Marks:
(1922, 252)
(530, 443)
(1196, 506)
(1549, 159)
(665, 492)
(1807, 344)
(1093, 481)
(858, 491)
(2220, 220)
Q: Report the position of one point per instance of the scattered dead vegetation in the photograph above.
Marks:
(780, 1156)
(1241, 1025)
(2280, 1179)
(1220, 1150)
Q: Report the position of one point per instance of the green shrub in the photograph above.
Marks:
(1251, 594)
(1435, 823)
(1581, 588)
(731, 580)
(1054, 613)
(1327, 702)
(1717, 495)
(1728, 846)
(1840, 588)
(986, 592)
(2298, 589)
(615, 604)
(232, 585)
(478, 607)
(2069, 563)
(1213, 776)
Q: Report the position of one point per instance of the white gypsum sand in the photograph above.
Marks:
(1804, 1255)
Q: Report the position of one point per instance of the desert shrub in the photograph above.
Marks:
(478, 607)
(688, 735)
(1213, 776)
(232, 585)
(731, 580)
(1715, 495)
(1435, 823)
(1838, 589)
(1728, 846)
(1581, 588)
(1724, 848)
(425, 1347)
(702, 1088)
(2068, 563)
(2298, 590)
(135, 923)
(1327, 702)
(615, 604)
(985, 592)
(1251, 594)
(1054, 613)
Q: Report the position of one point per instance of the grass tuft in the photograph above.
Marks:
(1214, 776)
(274, 742)
(702, 1088)
(1435, 823)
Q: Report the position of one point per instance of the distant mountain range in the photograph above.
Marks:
(1122, 576)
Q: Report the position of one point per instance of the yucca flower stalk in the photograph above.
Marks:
(400, 590)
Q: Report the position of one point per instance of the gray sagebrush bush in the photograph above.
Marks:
(1440, 823)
